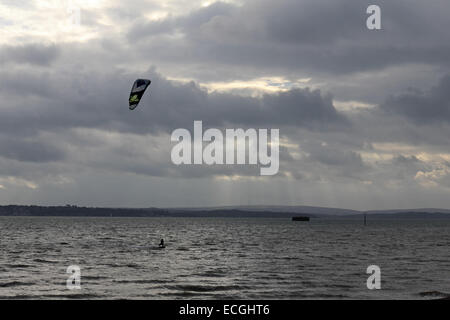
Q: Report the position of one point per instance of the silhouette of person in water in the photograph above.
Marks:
(161, 244)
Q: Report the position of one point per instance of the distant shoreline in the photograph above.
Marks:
(238, 212)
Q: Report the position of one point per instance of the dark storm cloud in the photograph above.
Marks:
(34, 54)
(29, 150)
(100, 101)
(46, 107)
(25, 84)
(62, 103)
(336, 157)
(309, 36)
(403, 168)
(422, 106)
(325, 156)
(405, 160)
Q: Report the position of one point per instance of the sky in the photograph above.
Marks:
(364, 115)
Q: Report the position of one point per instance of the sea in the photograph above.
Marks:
(222, 258)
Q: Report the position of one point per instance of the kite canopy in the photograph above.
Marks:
(137, 91)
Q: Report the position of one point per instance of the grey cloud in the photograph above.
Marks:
(57, 104)
(406, 160)
(404, 168)
(421, 106)
(100, 101)
(142, 28)
(34, 54)
(326, 157)
(336, 157)
(29, 150)
(90, 18)
(303, 36)
(128, 11)
(24, 84)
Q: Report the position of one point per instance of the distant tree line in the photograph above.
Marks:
(75, 211)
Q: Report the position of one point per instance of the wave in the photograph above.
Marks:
(125, 265)
(185, 294)
(15, 284)
(45, 261)
(19, 265)
(71, 296)
(144, 281)
(211, 274)
(94, 277)
(203, 288)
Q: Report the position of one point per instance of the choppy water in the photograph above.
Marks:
(218, 258)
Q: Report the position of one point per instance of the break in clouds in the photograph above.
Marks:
(364, 115)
